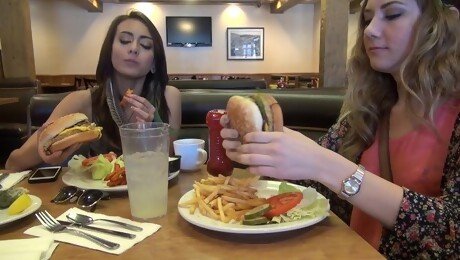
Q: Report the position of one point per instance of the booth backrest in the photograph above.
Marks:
(230, 84)
(310, 111)
(41, 106)
(16, 112)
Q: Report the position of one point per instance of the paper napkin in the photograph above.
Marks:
(13, 179)
(31, 248)
(125, 243)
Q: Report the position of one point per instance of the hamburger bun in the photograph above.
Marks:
(67, 131)
(259, 112)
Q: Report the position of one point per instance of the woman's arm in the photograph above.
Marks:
(27, 156)
(173, 99)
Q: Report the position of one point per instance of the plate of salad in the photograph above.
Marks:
(310, 208)
(95, 172)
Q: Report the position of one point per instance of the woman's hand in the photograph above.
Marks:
(58, 157)
(141, 109)
(282, 155)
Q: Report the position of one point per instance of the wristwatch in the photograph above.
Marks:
(352, 184)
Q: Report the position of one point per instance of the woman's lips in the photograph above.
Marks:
(130, 61)
(377, 48)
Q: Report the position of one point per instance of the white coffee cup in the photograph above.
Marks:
(192, 153)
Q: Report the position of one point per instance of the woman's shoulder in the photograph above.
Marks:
(171, 90)
(171, 93)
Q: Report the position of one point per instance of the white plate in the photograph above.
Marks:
(84, 181)
(5, 218)
(265, 189)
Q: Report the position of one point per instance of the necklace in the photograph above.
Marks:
(111, 102)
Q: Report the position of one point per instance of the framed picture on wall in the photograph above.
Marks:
(245, 43)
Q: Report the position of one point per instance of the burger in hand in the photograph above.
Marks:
(256, 113)
(67, 131)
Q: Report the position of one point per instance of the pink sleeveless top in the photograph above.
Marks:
(417, 162)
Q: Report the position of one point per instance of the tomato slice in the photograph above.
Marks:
(89, 161)
(282, 203)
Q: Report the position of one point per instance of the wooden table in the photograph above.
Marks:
(9, 100)
(178, 239)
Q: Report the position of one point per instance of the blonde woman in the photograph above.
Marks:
(394, 153)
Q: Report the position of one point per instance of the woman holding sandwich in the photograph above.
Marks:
(132, 61)
(394, 153)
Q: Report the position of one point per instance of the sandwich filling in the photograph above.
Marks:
(265, 111)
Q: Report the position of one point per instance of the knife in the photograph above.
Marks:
(103, 230)
(2, 177)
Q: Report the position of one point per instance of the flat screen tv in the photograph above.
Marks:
(190, 31)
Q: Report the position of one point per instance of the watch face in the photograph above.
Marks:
(351, 186)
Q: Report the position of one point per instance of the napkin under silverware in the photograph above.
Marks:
(31, 248)
(125, 243)
(13, 179)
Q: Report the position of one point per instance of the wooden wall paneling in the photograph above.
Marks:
(16, 38)
(333, 43)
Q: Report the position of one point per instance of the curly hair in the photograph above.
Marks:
(429, 74)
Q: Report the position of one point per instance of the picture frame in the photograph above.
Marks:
(245, 43)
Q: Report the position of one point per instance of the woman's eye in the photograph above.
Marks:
(124, 42)
(392, 16)
(147, 47)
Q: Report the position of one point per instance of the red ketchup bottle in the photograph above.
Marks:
(218, 162)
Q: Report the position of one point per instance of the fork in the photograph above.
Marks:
(54, 226)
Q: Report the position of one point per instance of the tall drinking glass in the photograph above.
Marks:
(145, 152)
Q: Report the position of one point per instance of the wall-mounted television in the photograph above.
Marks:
(190, 31)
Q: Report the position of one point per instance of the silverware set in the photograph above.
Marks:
(78, 221)
(50, 223)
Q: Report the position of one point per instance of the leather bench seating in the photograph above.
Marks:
(231, 84)
(13, 116)
(310, 111)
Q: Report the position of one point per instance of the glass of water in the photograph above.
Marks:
(146, 153)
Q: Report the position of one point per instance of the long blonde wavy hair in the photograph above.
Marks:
(429, 74)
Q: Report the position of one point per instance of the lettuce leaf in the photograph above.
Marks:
(285, 187)
(101, 168)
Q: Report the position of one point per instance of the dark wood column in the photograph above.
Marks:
(333, 43)
(16, 39)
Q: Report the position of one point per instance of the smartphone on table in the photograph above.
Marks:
(45, 174)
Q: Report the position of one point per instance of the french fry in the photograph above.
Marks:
(209, 211)
(211, 196)
(221, 211)
(192, 209)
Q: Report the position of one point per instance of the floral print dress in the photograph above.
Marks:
(426, 227)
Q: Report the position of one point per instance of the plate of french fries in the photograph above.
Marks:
(219, 204)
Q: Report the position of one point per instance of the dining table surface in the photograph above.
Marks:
(178, 239)
(8, 100)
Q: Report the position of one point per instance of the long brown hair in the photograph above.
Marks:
(154, 84)
(429, 73)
